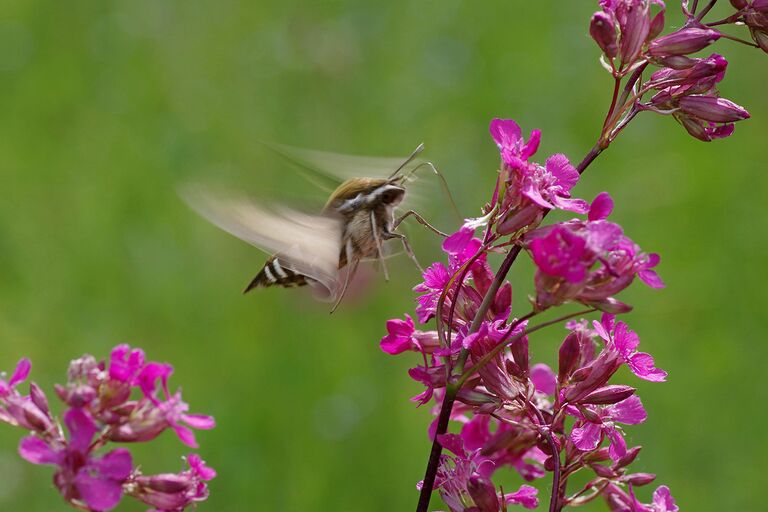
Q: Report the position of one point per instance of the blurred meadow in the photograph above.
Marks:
(108, 105)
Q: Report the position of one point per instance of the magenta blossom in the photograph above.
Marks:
(601, 423)
(173, 492)
(531, 189)
(619, 338)
(402, 336)
(619, 500)
(95, 481)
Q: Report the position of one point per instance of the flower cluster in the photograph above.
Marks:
(685, 87)
(102, 408)
(475, 366)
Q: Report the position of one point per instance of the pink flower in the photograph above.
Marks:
(19, 375)
(402, 336)
(512, 147)
(96, 481)
(601, 423)
(619, 338)
(619, 500)
(526, 496)
(174, 492)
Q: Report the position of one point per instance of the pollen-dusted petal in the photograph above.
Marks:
(35, 450)
(586, 437)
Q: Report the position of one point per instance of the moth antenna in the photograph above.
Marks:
(443, 185)
(408, 160)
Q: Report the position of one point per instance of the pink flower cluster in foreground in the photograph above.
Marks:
(123, 401)
(513, 413)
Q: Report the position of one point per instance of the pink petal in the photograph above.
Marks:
(454, 443)
(559, 166)
(531, 190)
(100, 494)
(198, 465)
(629, 411)
(199, 421)
(35, 450)
(601, 207)
(625, 341)
(663, 500)
(587, 437)
(532, 145)
(642, 365)
(81, 429)
(456, 243)
(505, 132)
(571, 205)
(618, 447)
(651, 278)
(543, 379)
(526, 496)
(475, 433)
(116, 464)
(21, 372)
(185, 435)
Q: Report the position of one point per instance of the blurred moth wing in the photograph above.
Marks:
(303, 244)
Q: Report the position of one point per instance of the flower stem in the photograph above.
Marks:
(546, 431)
(705, 10)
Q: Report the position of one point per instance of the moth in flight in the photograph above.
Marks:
(322, 250)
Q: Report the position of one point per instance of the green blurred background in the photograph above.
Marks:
(107, 106)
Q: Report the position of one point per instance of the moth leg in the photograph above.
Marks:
(421, 221)
(377, 239)
(350, 273)
(406, 246)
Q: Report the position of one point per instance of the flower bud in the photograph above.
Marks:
(683, 42)
(38, 397)
(603, 471)
(166, 482)
(635, 26)
(629, 458)
(739, 4)
(657, 25)
(609, 395)
(581, 374)
(568, 356)
(603, 31)
(639, 479)
(761, 38)
(678, 61)
(713, 109)
(483, 493)
(600, 455)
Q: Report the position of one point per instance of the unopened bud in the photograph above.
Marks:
(603, 31)
(483, 493)
(165, 482)
(568, 356)
(713, 109)
(657, 25)
(761, 38)
(739, 4)
(609, 395)
(683, 42)
(639, 479)
(603, 471)
(629, 458)
(38, 397)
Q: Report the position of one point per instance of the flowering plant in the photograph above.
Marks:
(101, 409)
(475, 366)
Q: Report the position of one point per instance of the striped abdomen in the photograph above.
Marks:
(274, 274)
